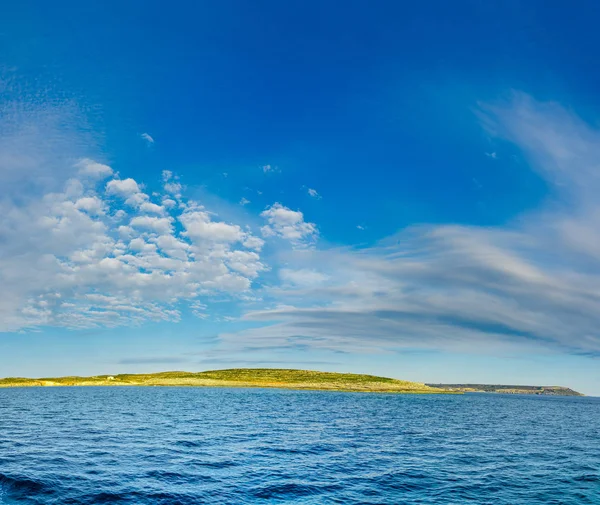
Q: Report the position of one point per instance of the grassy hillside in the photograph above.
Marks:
(240, 377)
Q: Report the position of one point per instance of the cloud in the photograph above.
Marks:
(289, 225)
(155, 360)
(91, 204)
(91, 168)
(302, 277)
(152, 208)
(123, 188)
(174, 189)
(39, 142)
(528, 286)
(492, 155)
(75, 258)
(244, 201)
(200, 227)
(147, 138)
(157, 224)
(270, 169)
(313, 193)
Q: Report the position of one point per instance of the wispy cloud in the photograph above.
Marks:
(147, 138)
(313, 193)
(154, 360)
(270, 169)
(530, 285)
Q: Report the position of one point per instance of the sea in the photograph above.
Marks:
(176, 446)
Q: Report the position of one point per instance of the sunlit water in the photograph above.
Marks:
(228, 446)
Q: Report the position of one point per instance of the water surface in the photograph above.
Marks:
(235, 446)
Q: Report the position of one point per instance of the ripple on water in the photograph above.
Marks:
(184, 446)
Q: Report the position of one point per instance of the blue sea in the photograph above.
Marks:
(177, 446)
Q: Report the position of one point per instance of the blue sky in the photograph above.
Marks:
(401, 189)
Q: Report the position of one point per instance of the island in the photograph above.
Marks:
(242, 377)
(498, 388)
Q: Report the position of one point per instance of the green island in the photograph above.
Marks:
(498, 388)
(241, 377)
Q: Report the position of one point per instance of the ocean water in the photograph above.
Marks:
(236, 446)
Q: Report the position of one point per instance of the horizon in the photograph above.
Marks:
(377, 191)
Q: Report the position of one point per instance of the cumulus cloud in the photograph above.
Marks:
(200, 227)
(91, 204)
(289, 225)
(156, 224)
(531, 285)
(152, 208)
(74, 258)
(123, 188)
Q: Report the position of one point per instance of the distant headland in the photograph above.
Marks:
(241, 377)
(497, 388)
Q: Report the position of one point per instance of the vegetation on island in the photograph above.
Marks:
(241, 377)
(498, 388)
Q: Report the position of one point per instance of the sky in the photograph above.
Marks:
(407, 189)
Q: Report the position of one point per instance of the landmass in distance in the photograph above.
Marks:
(279, 378)
(499, 388)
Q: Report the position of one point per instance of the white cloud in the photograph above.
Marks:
(139, 244)
(270, 169)
(91, 204)
(174, 188)
(173, 247)
(152, 208)
(125, 231)
(302, 277)
(157, 224)
(313, 193)
(199, 227)
(91, 168)
(252, 242)
(492, 155)
(137, 200)
(147, 138)
(244, 201)
(168, 203)
(288, 224)
(124, 188)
